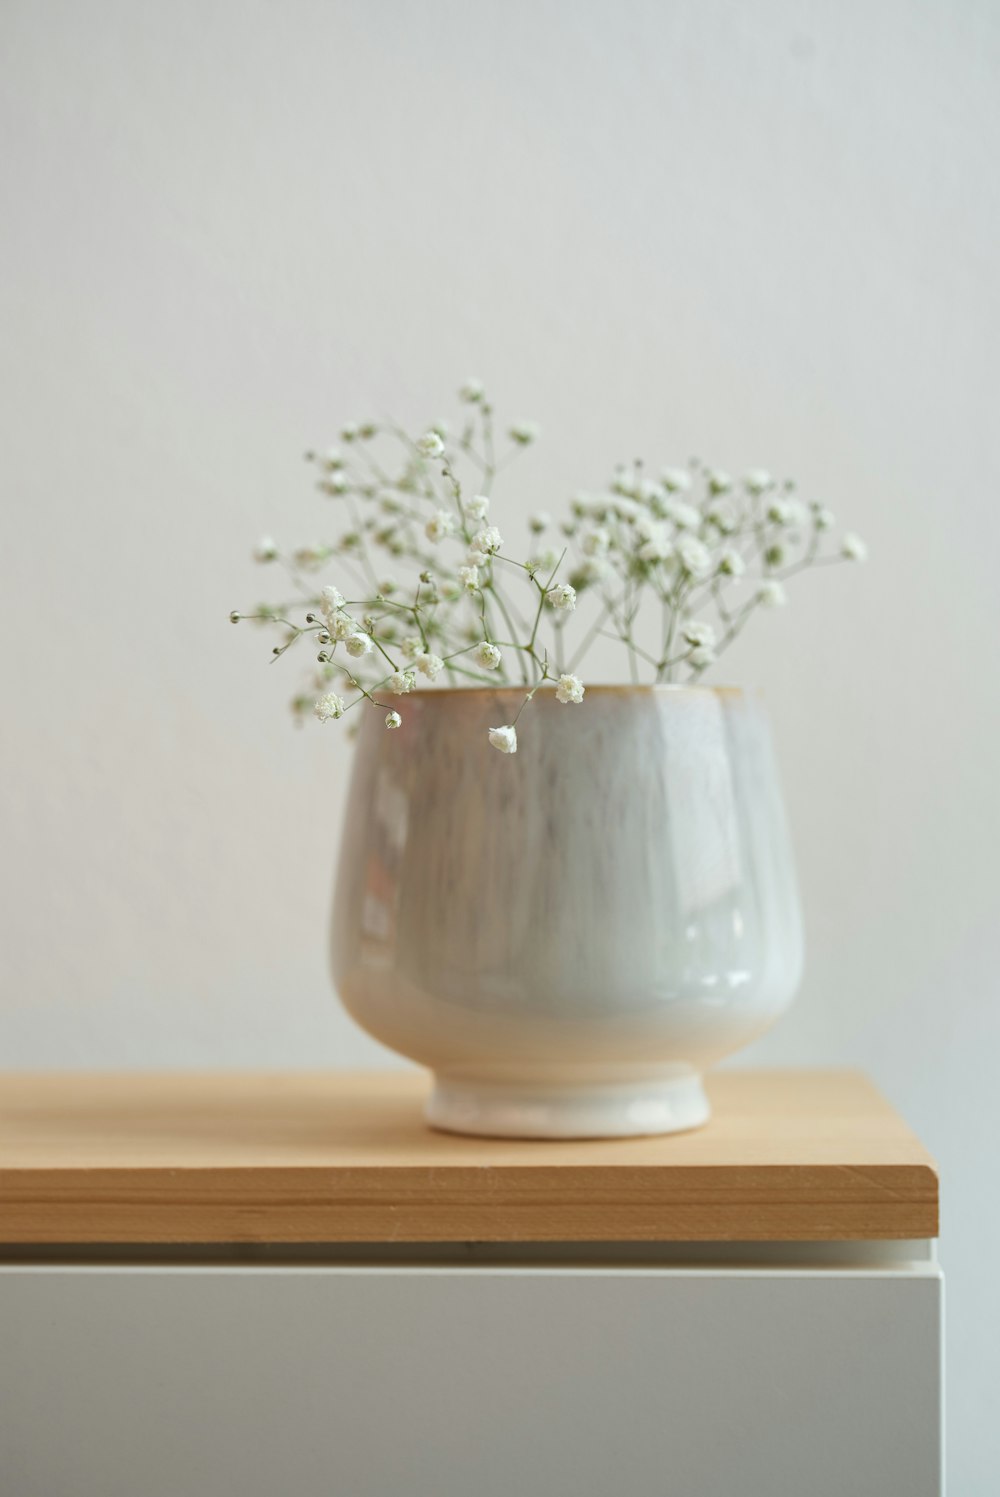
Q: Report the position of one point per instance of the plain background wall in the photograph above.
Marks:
(763, 233)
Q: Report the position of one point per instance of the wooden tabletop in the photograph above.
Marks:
(334, 1157)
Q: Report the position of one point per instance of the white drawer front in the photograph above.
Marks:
(468, 1382)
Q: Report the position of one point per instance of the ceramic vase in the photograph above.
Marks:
(570, 935)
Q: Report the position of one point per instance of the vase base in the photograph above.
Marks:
(502, 1109)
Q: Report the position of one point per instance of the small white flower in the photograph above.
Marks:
(393, 720)
(544, 561)
(471, 391)
(684, 516)
(823, 519)
(592, 569)
(701, 656)
(786, 512)
(358, 645)
(562, 596)
(698, 634)
(658, 544)
(311, 557)
(411, 647)
(342, 626)
(853, 548)
(469, 578)
(428, 665)
(569, 689)
(504, 739)
(488, 656)
(677, 480)
(719, 481)
(330, 459)
(400, 682)
(334, 483)
(771, 594)
(524, 432)
(731, 563)
(758, 480)
(439, 525)
(696, 559)
(595, 542)
(349, 432)
(430, 444)
(486, 543)
(331, 598)
(329, 706)
(722, 516)
(627, 508)
(477, 507)
(540, 521)
(265, 549)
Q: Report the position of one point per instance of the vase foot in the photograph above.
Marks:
(511, 1109)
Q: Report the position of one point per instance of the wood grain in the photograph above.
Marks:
(334, 1157)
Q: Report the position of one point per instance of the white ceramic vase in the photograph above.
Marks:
(567, 936)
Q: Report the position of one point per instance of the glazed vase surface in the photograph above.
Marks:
(570, 935)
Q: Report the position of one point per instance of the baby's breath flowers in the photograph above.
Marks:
(562, 597)
(428, 665)
(330, 705)
(427, 591)
(771, 594)
(569, 688)
(488, 656)
(504, 739)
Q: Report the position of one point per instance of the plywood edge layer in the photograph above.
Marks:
(483, 1204)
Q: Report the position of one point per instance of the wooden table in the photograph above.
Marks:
(215, 1283)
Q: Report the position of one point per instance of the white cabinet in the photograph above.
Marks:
(445, 1380)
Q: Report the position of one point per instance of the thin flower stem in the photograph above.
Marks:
(636, 649)
(543, 677)
(589, 637)
(501, 605)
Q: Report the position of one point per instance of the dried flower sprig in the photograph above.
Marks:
(673, 567)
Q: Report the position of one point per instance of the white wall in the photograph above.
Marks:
(762, 233)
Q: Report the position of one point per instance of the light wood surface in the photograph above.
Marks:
(334, 1157)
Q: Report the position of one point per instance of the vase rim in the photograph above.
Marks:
(616, 688)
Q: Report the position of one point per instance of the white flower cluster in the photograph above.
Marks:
(504, 739)
(672, 564)
(569, 688)
(330, 705)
